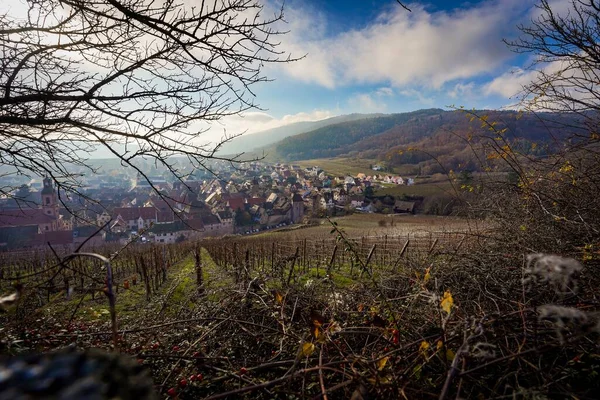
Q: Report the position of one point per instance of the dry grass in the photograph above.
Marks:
(420, 189)
(340, 166)
(357, 225)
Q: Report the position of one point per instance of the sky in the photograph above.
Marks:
(366, 56)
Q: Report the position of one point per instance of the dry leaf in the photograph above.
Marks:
(447, 302)
(321, 337)
(381, 363)
(315, 331)
(278, 297)
(307, 349)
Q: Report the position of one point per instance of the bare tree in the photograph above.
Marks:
(553, 204)
(139, 78)
(564, 44)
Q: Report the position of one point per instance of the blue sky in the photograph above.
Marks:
(368, 56)
(374, 56)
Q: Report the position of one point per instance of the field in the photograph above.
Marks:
(384, 306)
(358, 225)
(419, 189)
(340, 166)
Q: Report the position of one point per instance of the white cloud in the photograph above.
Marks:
(366, 103)
(558, 7)
(564, 84)
(256, 116)
(252, 122)
(402, 48)
(428, 101)
(510, 84)
(462, 90)
(384, 92)
(315, 115)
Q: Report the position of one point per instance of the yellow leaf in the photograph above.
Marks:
(447, 302)
(427, 276)
(424, 347)
(322, 338)
(307, 349)
(440, 344)
(450, 355)
(278, 297)
(315, 331)
(381, 363)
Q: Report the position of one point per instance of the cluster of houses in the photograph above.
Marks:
(255, 197)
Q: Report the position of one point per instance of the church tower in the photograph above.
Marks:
(49, 199)
(297, 208)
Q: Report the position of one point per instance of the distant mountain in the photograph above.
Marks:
(437, 134)
(254, 141)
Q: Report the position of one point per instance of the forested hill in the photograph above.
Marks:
(257, 140)
(440, 133)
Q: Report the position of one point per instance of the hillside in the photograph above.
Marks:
(257, 140)
(447, 136)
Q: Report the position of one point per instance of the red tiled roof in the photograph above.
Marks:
(178, 196)
(236, 195)
(18, 217)
(131, 213)
(236, 203)
(165, 216)
(120, 222)
(160, 203)
(195, 223)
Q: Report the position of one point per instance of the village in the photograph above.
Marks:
(246, 199)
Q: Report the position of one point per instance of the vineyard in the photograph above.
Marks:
(435, 314)
(300, 256)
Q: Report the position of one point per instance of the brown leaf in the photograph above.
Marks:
(278, 297)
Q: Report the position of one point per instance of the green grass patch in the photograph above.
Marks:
(340, 166)
(421, 189)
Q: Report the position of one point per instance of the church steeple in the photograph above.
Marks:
(49, 198)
